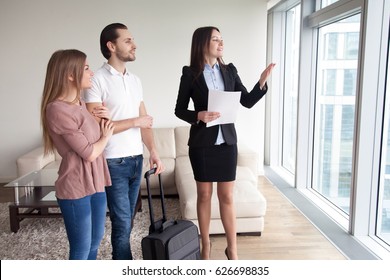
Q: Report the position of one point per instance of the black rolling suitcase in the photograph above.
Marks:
(169, 239)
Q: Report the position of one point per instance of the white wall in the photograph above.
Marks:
(31, 31)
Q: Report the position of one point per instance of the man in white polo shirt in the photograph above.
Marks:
(114, 87)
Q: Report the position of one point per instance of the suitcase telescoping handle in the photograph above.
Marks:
(147, 177)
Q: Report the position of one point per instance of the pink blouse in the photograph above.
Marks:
(74, 131)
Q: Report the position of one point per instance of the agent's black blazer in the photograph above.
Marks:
(196, 89)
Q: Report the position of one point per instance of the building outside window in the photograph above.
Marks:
(337, 61)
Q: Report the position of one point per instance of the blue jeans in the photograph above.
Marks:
(121, 199)
(84, 220)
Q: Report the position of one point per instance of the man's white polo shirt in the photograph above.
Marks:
(122, 95)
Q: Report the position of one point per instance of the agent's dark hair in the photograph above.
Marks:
(109, 34)
(200, 47)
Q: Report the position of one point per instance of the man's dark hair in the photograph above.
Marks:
(109, 34)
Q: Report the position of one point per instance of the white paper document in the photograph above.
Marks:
(224, 102)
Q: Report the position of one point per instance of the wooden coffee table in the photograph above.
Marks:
(37, 199)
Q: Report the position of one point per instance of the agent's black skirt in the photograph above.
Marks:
(217, 163)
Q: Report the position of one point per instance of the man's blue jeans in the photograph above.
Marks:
(121, 199)
(84, 220)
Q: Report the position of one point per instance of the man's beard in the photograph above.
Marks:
(126, 58)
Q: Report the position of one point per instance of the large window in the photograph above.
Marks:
(290, 92)
(337, 61)
(330, 125)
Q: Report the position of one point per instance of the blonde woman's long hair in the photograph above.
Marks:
(62, 65)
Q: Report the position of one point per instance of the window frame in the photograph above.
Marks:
(273, 153)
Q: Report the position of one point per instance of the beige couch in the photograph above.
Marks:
(178, 179)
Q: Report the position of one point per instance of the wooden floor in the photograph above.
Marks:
(287, 234)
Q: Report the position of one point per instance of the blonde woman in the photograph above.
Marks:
(71, 130)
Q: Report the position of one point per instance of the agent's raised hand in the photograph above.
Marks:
(265, 75)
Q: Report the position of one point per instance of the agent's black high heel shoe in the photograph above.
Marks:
(226, 253)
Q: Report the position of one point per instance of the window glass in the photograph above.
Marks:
(349, 87)
(290, 88)
(331, 45)
(325, 3)
(335, 110)
(351, 45)
(383, 215)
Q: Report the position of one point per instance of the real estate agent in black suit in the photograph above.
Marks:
(213, 150)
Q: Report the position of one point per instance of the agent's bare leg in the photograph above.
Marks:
(228, 216)
(204, 190)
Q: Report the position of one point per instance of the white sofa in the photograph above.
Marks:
(178, 179)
